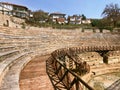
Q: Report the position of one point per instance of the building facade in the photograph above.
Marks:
(87, 21)
(75, 19)
(57, 17)
(14, 10)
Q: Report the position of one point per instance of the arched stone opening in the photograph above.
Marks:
(104, 55)
(105, 58)
(7, 23)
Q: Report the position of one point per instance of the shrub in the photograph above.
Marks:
(23, 26)
(83, 30)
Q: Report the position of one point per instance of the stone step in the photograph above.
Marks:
(23, 43)
(99, 66)
(8, 48)
(16, 50)
(11, 79)
(7, 63)
(7, 54)
(105, 70)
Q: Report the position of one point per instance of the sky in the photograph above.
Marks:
(90, 8)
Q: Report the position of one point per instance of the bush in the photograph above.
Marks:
(94, 30)
(83, 30)
(118, 24)
(101, 30)
(109, 28)
(65, 26)
(23, 26)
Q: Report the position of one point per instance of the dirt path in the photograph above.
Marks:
(34, 77)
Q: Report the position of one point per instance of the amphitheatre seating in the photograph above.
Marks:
(100, 68)
(10, 69)
(92, 58)
(15, 53)
(18, 47)
(11, 79)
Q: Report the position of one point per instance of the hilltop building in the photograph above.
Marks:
(57, 17)
(87, 21)
(75, 19)
(14, 10)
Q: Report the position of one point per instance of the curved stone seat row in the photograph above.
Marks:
(7, 54)
(107, 70)
(14, 55)
(7, 57)
(3, 49)
(11, 79)
(14, 65)
(6, 64)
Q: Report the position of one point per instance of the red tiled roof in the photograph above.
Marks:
(60, 20)
(13, 4)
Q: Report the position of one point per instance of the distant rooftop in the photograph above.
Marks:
(7, 3)
(57, 13)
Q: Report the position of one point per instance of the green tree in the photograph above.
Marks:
(101, 24)
(112, 13)
(83, 17)
(40, 15)
(95, 22)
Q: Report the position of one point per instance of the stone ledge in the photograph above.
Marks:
(11, 80)
(6, 64)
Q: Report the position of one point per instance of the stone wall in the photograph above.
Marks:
(6, 20)
(114, 57)
(92, 58)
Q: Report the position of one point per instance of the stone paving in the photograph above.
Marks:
(34, 77)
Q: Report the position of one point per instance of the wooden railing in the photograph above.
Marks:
(65, 68)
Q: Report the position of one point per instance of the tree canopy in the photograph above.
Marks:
(83, 17)
(40, 15)
(112, 14)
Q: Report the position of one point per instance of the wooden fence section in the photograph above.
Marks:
(65, 68)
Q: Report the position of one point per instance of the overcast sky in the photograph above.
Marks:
(90, 8)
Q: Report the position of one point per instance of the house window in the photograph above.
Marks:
(23, 15)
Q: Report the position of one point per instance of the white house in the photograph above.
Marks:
(14, 10)
(57, 17)
(87, 21)
(75, 19)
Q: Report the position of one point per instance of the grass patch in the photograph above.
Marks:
(98, 86)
